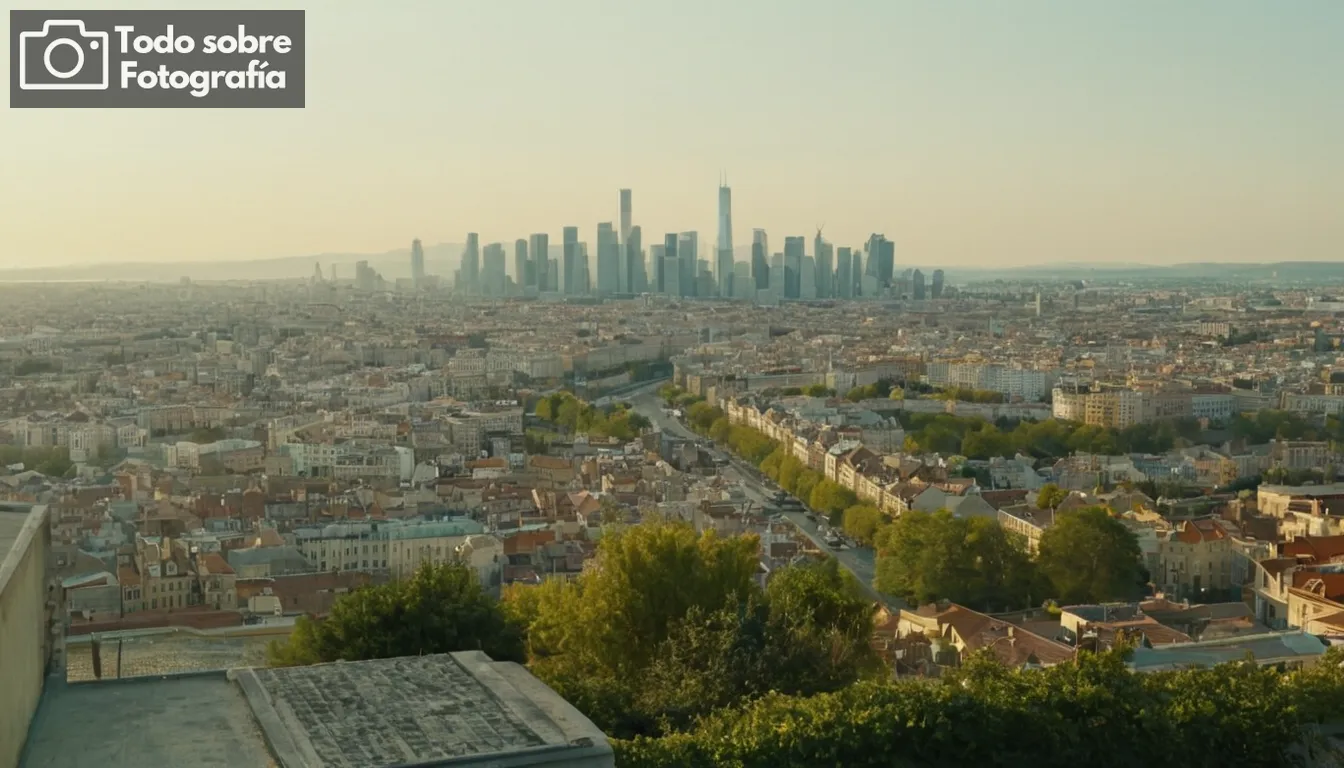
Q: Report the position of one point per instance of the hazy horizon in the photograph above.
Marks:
(970, 135)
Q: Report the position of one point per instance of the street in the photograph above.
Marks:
(859, 561)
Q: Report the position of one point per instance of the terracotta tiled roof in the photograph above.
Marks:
(1314, 549)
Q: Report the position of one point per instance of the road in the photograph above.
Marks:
(759, 489)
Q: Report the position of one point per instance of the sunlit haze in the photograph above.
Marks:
(969, 133)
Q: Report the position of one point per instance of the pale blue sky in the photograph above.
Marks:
(990, 133)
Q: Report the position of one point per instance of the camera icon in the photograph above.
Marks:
(39, 71)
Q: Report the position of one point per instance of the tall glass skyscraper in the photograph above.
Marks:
(540, 248)
(570, 259)
(471, 265)
(522, 268)
(760, 259)
(793, 266)
(608, 259)
(723, 261)
(417, 263)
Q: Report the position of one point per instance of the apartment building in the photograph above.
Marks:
(395, 547)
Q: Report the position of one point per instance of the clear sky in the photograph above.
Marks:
(969, 132)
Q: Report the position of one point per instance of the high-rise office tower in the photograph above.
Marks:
(936, 289)
(688, 257)
(471, 265)
(881, 254)
(844, 283)
(825, 277)
(744, 287)
(608, 259)
(760, 259)
(917, 285)
(522, 268)
(657, 255)
(807, 279)
(417, 263)
(363, 276)
(723, 256)
(779, 277)
(493, 270)
(793, 266)
(540, 249)
(636, 281)
(625, 216)
(583, 282)
(670, 262)
(570, 259)
(856, 276)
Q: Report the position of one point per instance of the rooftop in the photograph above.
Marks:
(461, 708)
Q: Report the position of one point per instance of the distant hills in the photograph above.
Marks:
(442, 259)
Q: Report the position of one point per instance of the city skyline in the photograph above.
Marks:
(1135, 133)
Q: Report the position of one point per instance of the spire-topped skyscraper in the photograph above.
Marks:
(723, 265)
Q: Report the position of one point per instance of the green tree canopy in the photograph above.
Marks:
(1089, 556)
(861, 522)
(974, 562)
(670, 624)
(831, 499)
(1050, 496)
(440, 609)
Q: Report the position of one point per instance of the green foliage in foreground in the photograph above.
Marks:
(441, 609)
(1092, 712)
(669, 625)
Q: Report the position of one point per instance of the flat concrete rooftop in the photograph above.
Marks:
(197, 720)
(460, 709)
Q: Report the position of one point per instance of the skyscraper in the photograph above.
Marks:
(608, 259)
(881, 254)
(760, 259)
(570, 259)
(723, 261)
(793, 266)
(844, 281)
(825, 278)
(540, 248)
(657, 255)
(636, 281)
(522, 268)
(493, 274)
(917, 285)
(625, 216)
(807, 278)
(417, 263)
(936, 290)
(471, 265)
(778, 276)
(670, 263)
(583, 283)
(688, 256)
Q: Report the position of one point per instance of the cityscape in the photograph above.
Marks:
(695, 385)
(621, 265)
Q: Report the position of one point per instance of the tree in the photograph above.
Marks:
(720, 430)
(927, 557)
(861, 522)
(806, 483)
(1089, 556)
(1050, 496)
(831, 499)
(593, 637)
(807, 633)
(817, 390)
(1090, 711)
(440, 609)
